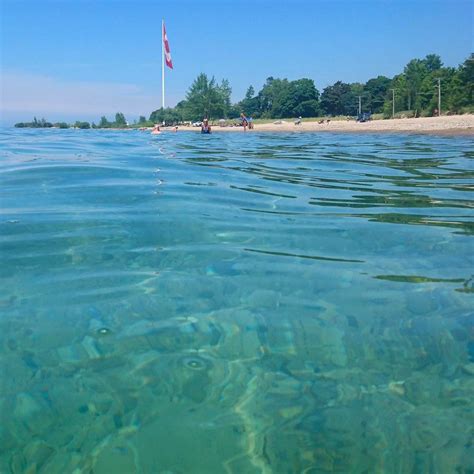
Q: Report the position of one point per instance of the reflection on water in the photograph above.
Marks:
(278, 303)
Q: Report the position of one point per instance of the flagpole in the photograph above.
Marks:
(162, 65)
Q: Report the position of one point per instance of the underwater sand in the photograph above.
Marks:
(258, 303)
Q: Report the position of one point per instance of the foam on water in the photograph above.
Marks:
(241, 303)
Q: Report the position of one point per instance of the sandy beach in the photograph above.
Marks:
(445, 125)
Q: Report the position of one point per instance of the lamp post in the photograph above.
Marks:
(439, 97)
(393, 103)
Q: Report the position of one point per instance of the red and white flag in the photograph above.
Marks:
(166, 49)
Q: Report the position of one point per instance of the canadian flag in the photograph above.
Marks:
(166, 48)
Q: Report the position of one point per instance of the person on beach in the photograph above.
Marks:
(244, 120)
(250, 123)
(156, 129)
(205, 127)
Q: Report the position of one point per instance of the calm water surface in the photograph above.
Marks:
(258, 303)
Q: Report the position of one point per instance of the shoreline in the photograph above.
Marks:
(450, 125)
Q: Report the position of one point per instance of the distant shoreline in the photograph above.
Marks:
(449, 125)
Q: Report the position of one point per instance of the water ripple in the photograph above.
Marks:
(299, 302)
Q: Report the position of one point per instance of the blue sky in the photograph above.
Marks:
(67, 59)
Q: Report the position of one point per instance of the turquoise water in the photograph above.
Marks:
(258, 303)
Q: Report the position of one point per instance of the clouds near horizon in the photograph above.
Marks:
(57, 99)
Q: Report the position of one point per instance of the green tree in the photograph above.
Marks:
(466, 78)
(249, 105)
(352, 99)
(399, 83)
(204, 99)
(104, 123)
(183, 110)
(415, 72)
(301, 99)
(250, 93)
(433, 62)
(272, 98)
(224, 91)
(307, 108)
(376, 90)
(426, 99)
(120, 120)
(457, 97)
(337, 99)
(235, 110)
(297, 98)
(168, 116)
(83, 125)
(454, 89)
(157, 116)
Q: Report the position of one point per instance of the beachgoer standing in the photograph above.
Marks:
(244, 120)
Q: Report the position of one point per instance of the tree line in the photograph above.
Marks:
(120, 122)
(413, 92)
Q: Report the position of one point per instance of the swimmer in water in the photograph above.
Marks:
(156, 129)
(205, 127)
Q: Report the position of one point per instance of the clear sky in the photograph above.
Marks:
(80, 59)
